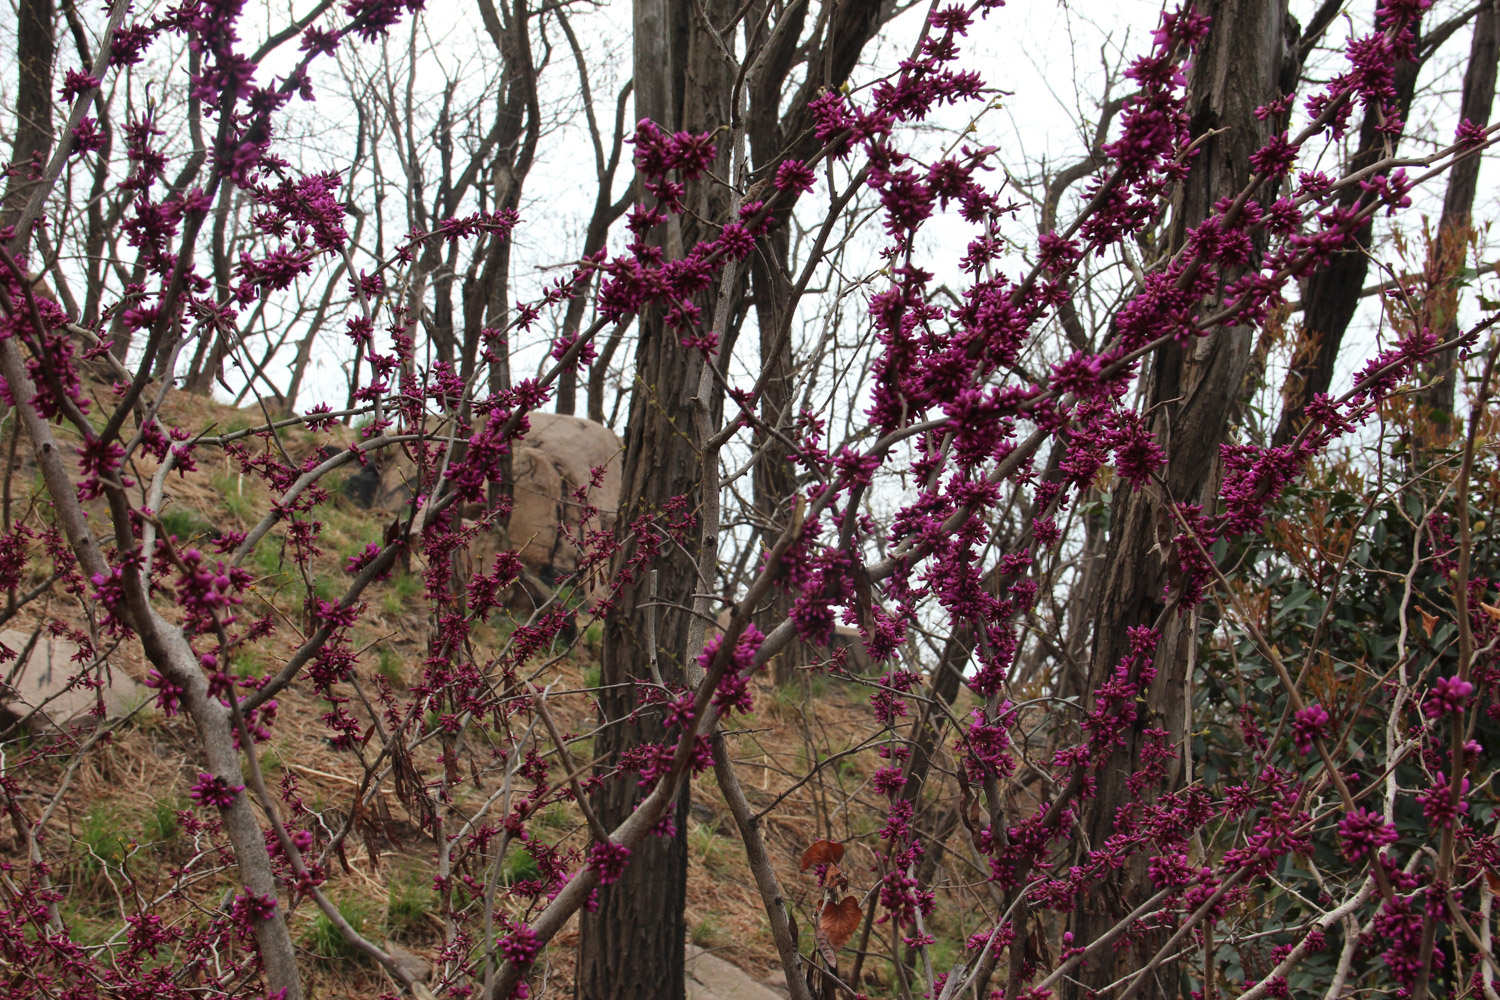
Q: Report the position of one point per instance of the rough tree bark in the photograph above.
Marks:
(1190, 390)
(632, 943)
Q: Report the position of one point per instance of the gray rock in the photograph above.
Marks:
(410, 962)
(709, 977)
(550, 465)
(40, 688)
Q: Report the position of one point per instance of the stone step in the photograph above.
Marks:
(710, 977)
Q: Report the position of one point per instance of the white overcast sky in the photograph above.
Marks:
(1049, 57)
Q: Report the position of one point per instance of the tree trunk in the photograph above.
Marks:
(1458, 205)
(36, 46)
(632, 944)
(1190, 394)
(774, 475)
(772, 138)
(1332, 292)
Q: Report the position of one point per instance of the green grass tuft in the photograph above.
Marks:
(520, 866)
(101, 844)
(327, 942)
(408, 902)
(235, 495)
(708, 932)
(185, 523)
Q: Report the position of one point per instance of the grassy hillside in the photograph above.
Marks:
(126, 831)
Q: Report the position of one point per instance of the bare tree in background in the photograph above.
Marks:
(1450, 245)
(36, 47)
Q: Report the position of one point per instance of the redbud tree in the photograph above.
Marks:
(1139, 705)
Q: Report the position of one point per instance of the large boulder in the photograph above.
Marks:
(555, 491)
(552, 466)
(539, 514)
(45, 689)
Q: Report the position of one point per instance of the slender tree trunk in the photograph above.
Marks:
(774, 137)
(1458, 206)
(775, 478)
(36, 46)
(1073, 680)
(1190, 390)
(604, 214)
(1332, 292)
(598, 371)
(494, 283)
(305, 345)
(215, 340)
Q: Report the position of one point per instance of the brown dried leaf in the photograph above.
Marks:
(838, 921)
(822, 852)
(1429, 622)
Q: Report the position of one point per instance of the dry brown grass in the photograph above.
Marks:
(143, 775)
